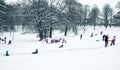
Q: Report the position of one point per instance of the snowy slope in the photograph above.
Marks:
(85, 54)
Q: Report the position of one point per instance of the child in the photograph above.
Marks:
(113, 40)
(35, 52)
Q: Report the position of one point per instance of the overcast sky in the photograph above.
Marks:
(99, 3)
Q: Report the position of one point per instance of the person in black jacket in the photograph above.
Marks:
(7, 54)
(36, 51)
(106, 40)
(81, 37)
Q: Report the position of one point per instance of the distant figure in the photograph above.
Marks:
(101, 32)
(52, 41)
(61, 46)
(113, 40)
(40, 39)
(106, 40)
(0, 40)
(63, 41)
(7, 54)
(81, 36)
(9, 42)
(5, 40)
(91, 35)
(36, 51)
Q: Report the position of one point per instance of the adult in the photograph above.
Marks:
(5, 40)
(106, 40)
(81, 36)
(91, 35)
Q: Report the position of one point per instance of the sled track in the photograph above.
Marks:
(51, 51)
(59, 50)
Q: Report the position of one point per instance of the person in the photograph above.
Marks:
(0, 40)
(36, 51)
(81, 36)
(106, 40)
(113, 40)
(91, 35)
(7, 54)
(101, 32)
(61, 46)
(5, 40)
(9, 42)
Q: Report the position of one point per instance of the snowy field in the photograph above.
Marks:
(85, 54)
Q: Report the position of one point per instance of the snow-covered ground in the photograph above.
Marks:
(85, 54)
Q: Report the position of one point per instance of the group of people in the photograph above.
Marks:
(106, 39)
(4, 41)
(61, 40)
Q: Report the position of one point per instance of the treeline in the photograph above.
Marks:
(45, 16)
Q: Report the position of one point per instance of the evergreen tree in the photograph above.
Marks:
(2, 15)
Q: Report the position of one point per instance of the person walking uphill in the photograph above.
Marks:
(106, 40)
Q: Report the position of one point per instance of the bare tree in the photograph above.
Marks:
(106, 12)
(86, 11)
(111, 16)
(94, 15)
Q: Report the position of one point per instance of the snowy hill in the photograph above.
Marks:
(86, 54)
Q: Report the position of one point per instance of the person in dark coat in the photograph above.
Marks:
(106, 40)
(5, 40)
(81, 36)
(91, 35)
(0, 40)
(7, 54)
(101, 32)
(36, 51)
(9, 42)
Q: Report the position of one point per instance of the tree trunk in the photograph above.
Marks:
(66, 29)
(51, 32)
(41, 34)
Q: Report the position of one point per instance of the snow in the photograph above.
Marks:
(85, 54)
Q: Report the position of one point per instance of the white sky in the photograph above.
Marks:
(99, 3)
